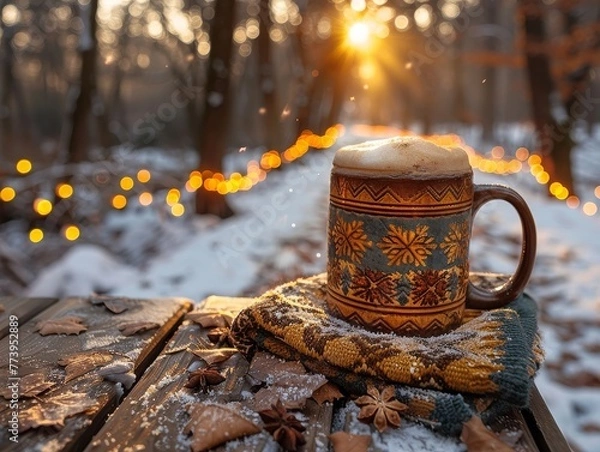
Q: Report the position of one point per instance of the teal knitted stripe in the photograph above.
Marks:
(518, 329)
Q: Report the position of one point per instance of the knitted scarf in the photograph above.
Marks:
(484, 366)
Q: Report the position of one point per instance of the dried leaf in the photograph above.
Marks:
(119, 372)
(114, 305)
(30, 385)
(589, 427)
(131, 328)
(287, 382)
(65, 325)
(347, 442)
(81, 363)
(212, 425)
(53, 411)
(478, 438)
(214, 355)
(2, 309)
(209, 318)
(327, 393)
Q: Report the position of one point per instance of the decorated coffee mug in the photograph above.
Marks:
(400, 218)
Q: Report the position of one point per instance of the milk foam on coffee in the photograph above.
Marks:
(401, 156)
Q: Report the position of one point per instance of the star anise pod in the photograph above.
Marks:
(380, 408)
(219, 335)
(285, 428)
(204, 377)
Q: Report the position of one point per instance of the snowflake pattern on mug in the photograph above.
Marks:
(406, 246)
(349, 239)
(456, 243)
(429, 287)
(375, 287)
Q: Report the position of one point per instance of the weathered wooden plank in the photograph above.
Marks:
(513, 423)
(23, 308)
(153, 415)
(40, 354)
(542, 425)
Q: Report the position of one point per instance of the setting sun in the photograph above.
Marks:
(359, 35)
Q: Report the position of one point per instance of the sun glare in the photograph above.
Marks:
(359, 35)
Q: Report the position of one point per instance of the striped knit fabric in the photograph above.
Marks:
(484, 366)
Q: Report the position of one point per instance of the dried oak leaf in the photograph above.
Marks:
(204, 377)
(80, 364)
(30, 385)
(64, 325)
(2, 307)
(286, 381)
(210, 318)
(285, 427)
(131, 328)
(114, 305)
(212, 425)
(214, 355)
(478, 438)
(380, 408)
(53, 411)
(347, 442)
(327, 393)
(119, 371)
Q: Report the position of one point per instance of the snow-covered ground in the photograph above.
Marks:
(279, 233)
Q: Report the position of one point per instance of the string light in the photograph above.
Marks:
(119, 202)
(7, 194)
(71, 232)
(143, 176)
(126, 183)
(42, 206)
(257, 171)
(145, 198)
(589, 208)
(177, 210)
(573, 202)
(36, 235)
(23, 166)
(173, 196)
(64, 191)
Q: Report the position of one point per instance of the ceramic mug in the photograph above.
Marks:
(400, 218)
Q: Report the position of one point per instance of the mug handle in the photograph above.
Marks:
(479, 298)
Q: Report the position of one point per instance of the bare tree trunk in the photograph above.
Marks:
(79, 141)
(459, 101)
(15, 123)
(554, 139)
(267, 82)
(212, 138)
(116, 106)
(6, 131)
(488, 112)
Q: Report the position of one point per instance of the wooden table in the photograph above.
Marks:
(150, 416)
